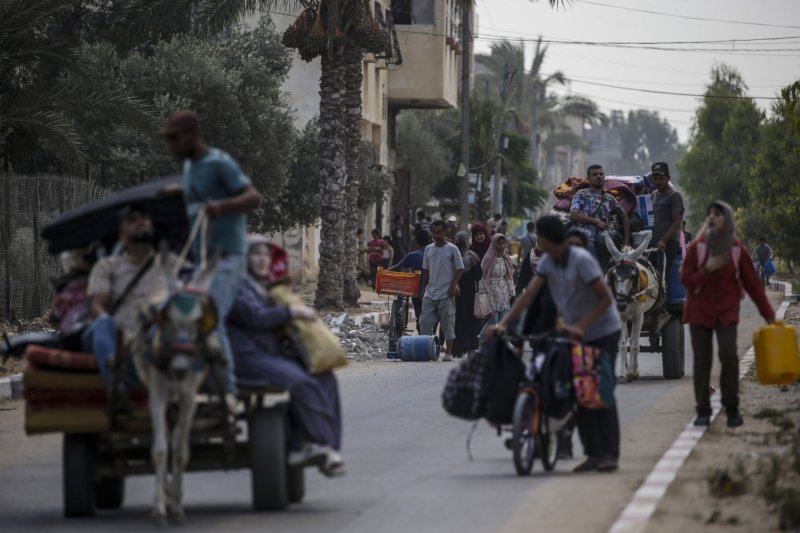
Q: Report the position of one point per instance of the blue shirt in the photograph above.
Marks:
(216, 176)
(413, 260)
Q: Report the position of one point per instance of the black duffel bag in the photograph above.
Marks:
(505, 372)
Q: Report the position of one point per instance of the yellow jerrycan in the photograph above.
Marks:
(777, 359)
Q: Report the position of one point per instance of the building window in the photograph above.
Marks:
(413, 12)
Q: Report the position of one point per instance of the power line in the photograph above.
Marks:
(634, 45)
(733, 40)
(662, 83)
(628, 103)
(647, 67)
(654, 91)
(687, 17)
(771, 52)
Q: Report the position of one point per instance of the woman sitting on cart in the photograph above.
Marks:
(255, 323)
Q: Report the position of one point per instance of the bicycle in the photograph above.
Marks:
(762, 273)
(532, 428)
(403, 285)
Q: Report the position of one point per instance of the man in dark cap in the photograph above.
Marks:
(214, 183)
(667, 217)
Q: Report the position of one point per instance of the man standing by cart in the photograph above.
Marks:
(214, 184)
(667, 217)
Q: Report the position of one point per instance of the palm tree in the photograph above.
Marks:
(44, 81)
(504, 57)
(538, 96)
(339, 32)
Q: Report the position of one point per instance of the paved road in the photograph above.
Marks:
(408, 469)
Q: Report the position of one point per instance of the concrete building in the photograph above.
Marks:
(421, 71)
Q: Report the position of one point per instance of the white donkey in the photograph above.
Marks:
(635, 288)
(172, 351)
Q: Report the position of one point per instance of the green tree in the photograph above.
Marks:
(722, 144)
(523, 191)
(772, 186)
(45, 84)
(233, 84)
(427, 152)
(646, 138)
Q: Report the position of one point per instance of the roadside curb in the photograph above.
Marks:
(11, 387)
(639, 510)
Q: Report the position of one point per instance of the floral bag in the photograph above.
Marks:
(593, 377)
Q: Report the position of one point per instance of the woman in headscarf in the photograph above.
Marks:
(497, 277)
(255, 325)
(467, 325)
(480, 240)
(716, 271)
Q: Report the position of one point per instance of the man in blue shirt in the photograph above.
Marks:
(412, 263)
(214, 183)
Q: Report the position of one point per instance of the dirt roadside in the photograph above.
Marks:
(745, 479)
(592, 502)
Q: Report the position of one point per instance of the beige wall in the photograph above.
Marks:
(428, 76)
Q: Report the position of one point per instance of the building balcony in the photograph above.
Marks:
(428, 42)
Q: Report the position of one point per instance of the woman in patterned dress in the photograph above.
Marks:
(497, 277)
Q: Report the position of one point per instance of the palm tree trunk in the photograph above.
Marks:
(352, 104)
(330, 294)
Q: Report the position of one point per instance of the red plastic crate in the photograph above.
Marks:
(398, 283)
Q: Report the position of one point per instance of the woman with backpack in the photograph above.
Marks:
(716, 272)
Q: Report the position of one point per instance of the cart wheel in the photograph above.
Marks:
(548, 445)
(268, 460)
(297, 484)
(672, 349)
(78, 466)
(109, 492)
(523, 441)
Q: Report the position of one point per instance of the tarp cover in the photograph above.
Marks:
(98, 220)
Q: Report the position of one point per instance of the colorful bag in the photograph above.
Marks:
(593, 377)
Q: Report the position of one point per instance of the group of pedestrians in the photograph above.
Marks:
(456, 268)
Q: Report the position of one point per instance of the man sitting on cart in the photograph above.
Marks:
(119, 287)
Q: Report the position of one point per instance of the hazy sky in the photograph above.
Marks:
(674, 71)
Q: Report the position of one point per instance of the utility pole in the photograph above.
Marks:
(505, 89)
(466, 67)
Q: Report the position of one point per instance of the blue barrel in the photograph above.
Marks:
(419, 348)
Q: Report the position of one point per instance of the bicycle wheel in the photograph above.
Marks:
(523, 442)
(395, 321)
(548, 445)
(404, 317)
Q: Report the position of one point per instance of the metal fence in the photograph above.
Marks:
(27, 203)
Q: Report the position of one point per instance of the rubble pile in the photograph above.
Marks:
(362, 342)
